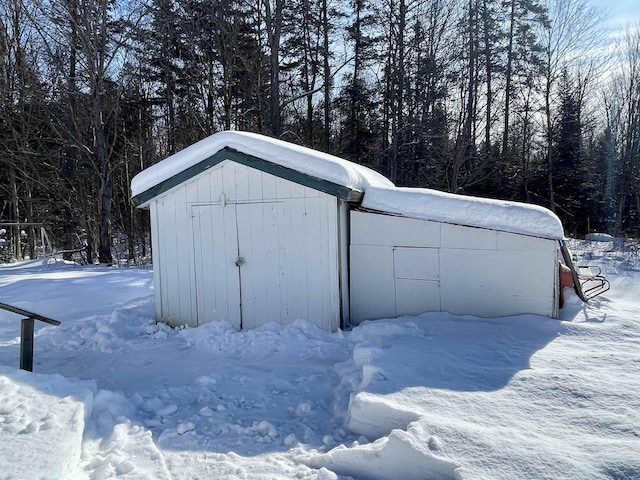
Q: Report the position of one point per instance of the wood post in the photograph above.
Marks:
(26, 333)
(26, 344)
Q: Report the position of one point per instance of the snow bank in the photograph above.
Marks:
(300, 338)
(374, 416)
(598, 237)
(522, 397)
(116, 445)
(42, 419)
(107, 333)
(409, 455)
(438, 206)
(289, 155)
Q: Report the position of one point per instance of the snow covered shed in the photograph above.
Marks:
(250, 229)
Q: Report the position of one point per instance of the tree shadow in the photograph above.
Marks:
(459, 353)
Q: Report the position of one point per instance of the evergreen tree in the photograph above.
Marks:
(570, 173)
(359, 129)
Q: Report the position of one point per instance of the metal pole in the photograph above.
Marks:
(26, 344)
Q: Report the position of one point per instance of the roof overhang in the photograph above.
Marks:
(350, 195)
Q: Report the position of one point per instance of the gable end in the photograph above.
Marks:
(340, 191)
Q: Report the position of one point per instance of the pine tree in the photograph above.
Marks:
(570, 174)
(359, 128)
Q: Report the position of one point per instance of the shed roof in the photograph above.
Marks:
(303, 165)
(505, 216)
(343, 179)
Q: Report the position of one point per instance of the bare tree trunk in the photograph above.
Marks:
(357, 63)
(489, 73)
(15, 211)
(526, 147)
(70, 155)
(105, 192)
(274, 26)
(465, 139)
(549, 143)
(397, 102)
(508, 79)
(327, 77)
(32, 231)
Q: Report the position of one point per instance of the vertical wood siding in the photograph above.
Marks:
(286, 233)
(173, 260)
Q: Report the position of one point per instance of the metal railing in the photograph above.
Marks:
(26, 333)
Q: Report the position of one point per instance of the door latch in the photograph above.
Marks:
(239, 261)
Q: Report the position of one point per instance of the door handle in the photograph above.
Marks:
(239, 261)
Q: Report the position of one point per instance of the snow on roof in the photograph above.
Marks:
(311, 162)
(513, 217)
(380, 193)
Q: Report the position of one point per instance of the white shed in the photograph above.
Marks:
(249, 229)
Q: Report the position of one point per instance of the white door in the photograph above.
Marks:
(290, 266)
(264, 274)
(215, 243)
(262, 261)
(240, 263)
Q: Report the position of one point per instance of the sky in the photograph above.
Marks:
(623, 13)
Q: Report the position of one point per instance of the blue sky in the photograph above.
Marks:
(623, 13)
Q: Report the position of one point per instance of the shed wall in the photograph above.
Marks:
(285, 234)
(403, 266)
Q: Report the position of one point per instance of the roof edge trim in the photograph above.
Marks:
(344, 193)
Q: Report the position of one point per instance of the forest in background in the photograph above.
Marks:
(527, 100)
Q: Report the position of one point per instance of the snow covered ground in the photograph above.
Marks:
(435, 396)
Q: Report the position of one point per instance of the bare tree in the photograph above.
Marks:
(273, 16)
(623, 108)
(574, 31)
(97, 35)
(23, 117)
(523, 52)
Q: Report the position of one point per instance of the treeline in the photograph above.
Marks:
(515, 99)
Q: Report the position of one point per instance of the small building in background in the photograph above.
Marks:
(249, 229)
